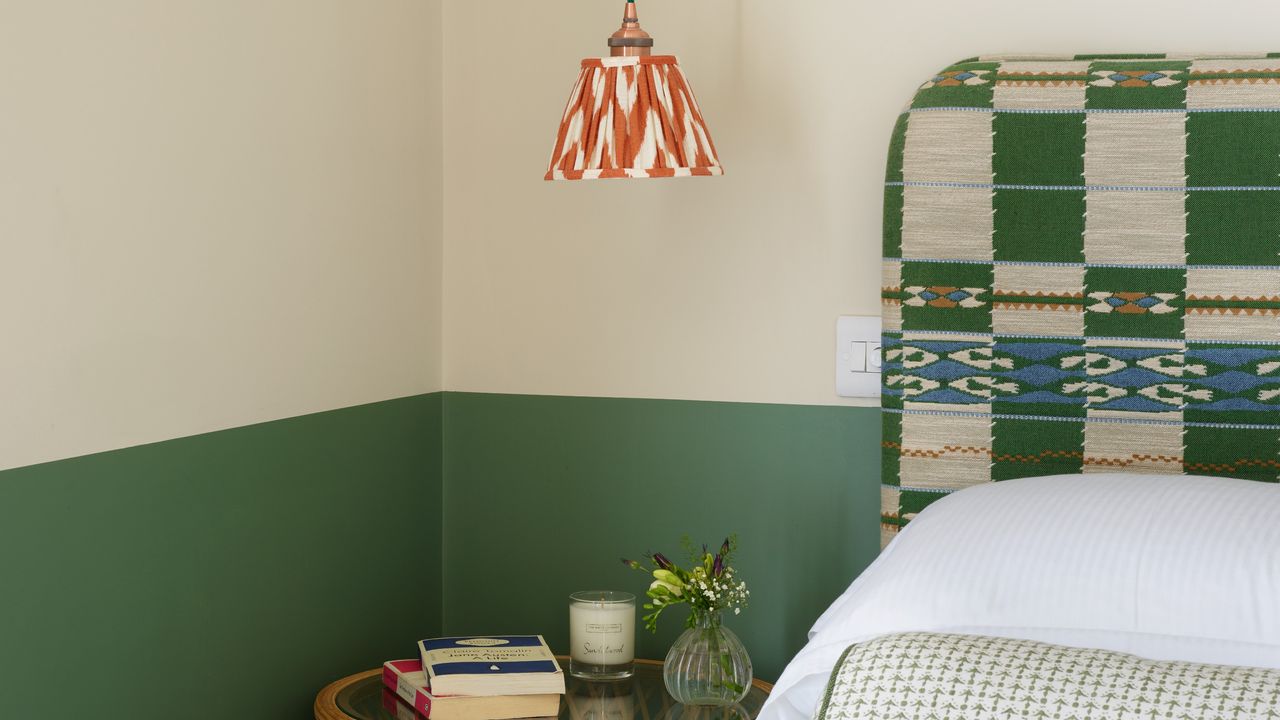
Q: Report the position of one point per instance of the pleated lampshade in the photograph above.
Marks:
(632, 115)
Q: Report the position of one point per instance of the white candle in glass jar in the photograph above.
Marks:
(602, 628)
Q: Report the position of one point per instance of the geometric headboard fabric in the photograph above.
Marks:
(1082, 273)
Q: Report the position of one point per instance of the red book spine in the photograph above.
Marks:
(395, 676)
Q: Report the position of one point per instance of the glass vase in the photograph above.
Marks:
(707, 665)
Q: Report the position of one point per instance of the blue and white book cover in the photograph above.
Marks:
(499, 657)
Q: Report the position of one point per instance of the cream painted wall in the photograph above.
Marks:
(213, 213)
(721, 289)
(219, 213)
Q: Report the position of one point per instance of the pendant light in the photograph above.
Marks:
(632, 115)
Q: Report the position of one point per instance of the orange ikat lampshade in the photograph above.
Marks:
(632, 115)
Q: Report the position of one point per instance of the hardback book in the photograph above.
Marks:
(491, 665)
(407, 680)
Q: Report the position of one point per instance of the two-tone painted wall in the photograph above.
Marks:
(630, 362)
(723, 292)
(244, 246)
(215, 215)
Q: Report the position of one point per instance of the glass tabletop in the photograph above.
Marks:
(641, 697)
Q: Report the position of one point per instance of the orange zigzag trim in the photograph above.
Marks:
(1233, 467)
(1234, 81)
(972, 450)
(1040, 83)
(1036, 306)
(1135, 458)
(1232, 311)
(1237, 298)
(1038, 300)
(1078, 455)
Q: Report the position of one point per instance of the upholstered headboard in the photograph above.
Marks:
(1082, 273)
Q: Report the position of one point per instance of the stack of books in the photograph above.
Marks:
(497, 677)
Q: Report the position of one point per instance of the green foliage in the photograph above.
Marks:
(708, 585)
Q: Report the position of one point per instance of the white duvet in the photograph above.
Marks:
(1164, 567)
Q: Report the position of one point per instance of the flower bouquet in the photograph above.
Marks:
(708, 664)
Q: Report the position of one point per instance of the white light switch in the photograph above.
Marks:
(858, 357)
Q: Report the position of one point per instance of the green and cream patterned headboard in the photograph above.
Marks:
(1082, 273)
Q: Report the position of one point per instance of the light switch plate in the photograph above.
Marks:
(858, 357)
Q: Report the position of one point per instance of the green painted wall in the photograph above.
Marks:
(233, 574)
(544, 494)
(225, 575)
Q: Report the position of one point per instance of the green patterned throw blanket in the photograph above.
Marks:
(1082, 273)
(923, 676)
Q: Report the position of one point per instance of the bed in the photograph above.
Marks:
(1081, 399)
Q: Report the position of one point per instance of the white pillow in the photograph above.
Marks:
(1164, 567)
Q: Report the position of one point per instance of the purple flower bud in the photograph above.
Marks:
(718, 567)
(661, 561)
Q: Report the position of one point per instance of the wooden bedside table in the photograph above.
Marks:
(642, 697)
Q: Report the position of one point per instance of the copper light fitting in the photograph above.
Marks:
(631, 40)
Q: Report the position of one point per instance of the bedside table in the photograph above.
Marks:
(642, 697)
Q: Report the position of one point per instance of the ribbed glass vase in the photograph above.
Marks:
(707, 665)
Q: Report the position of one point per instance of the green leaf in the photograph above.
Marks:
(726, 664)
